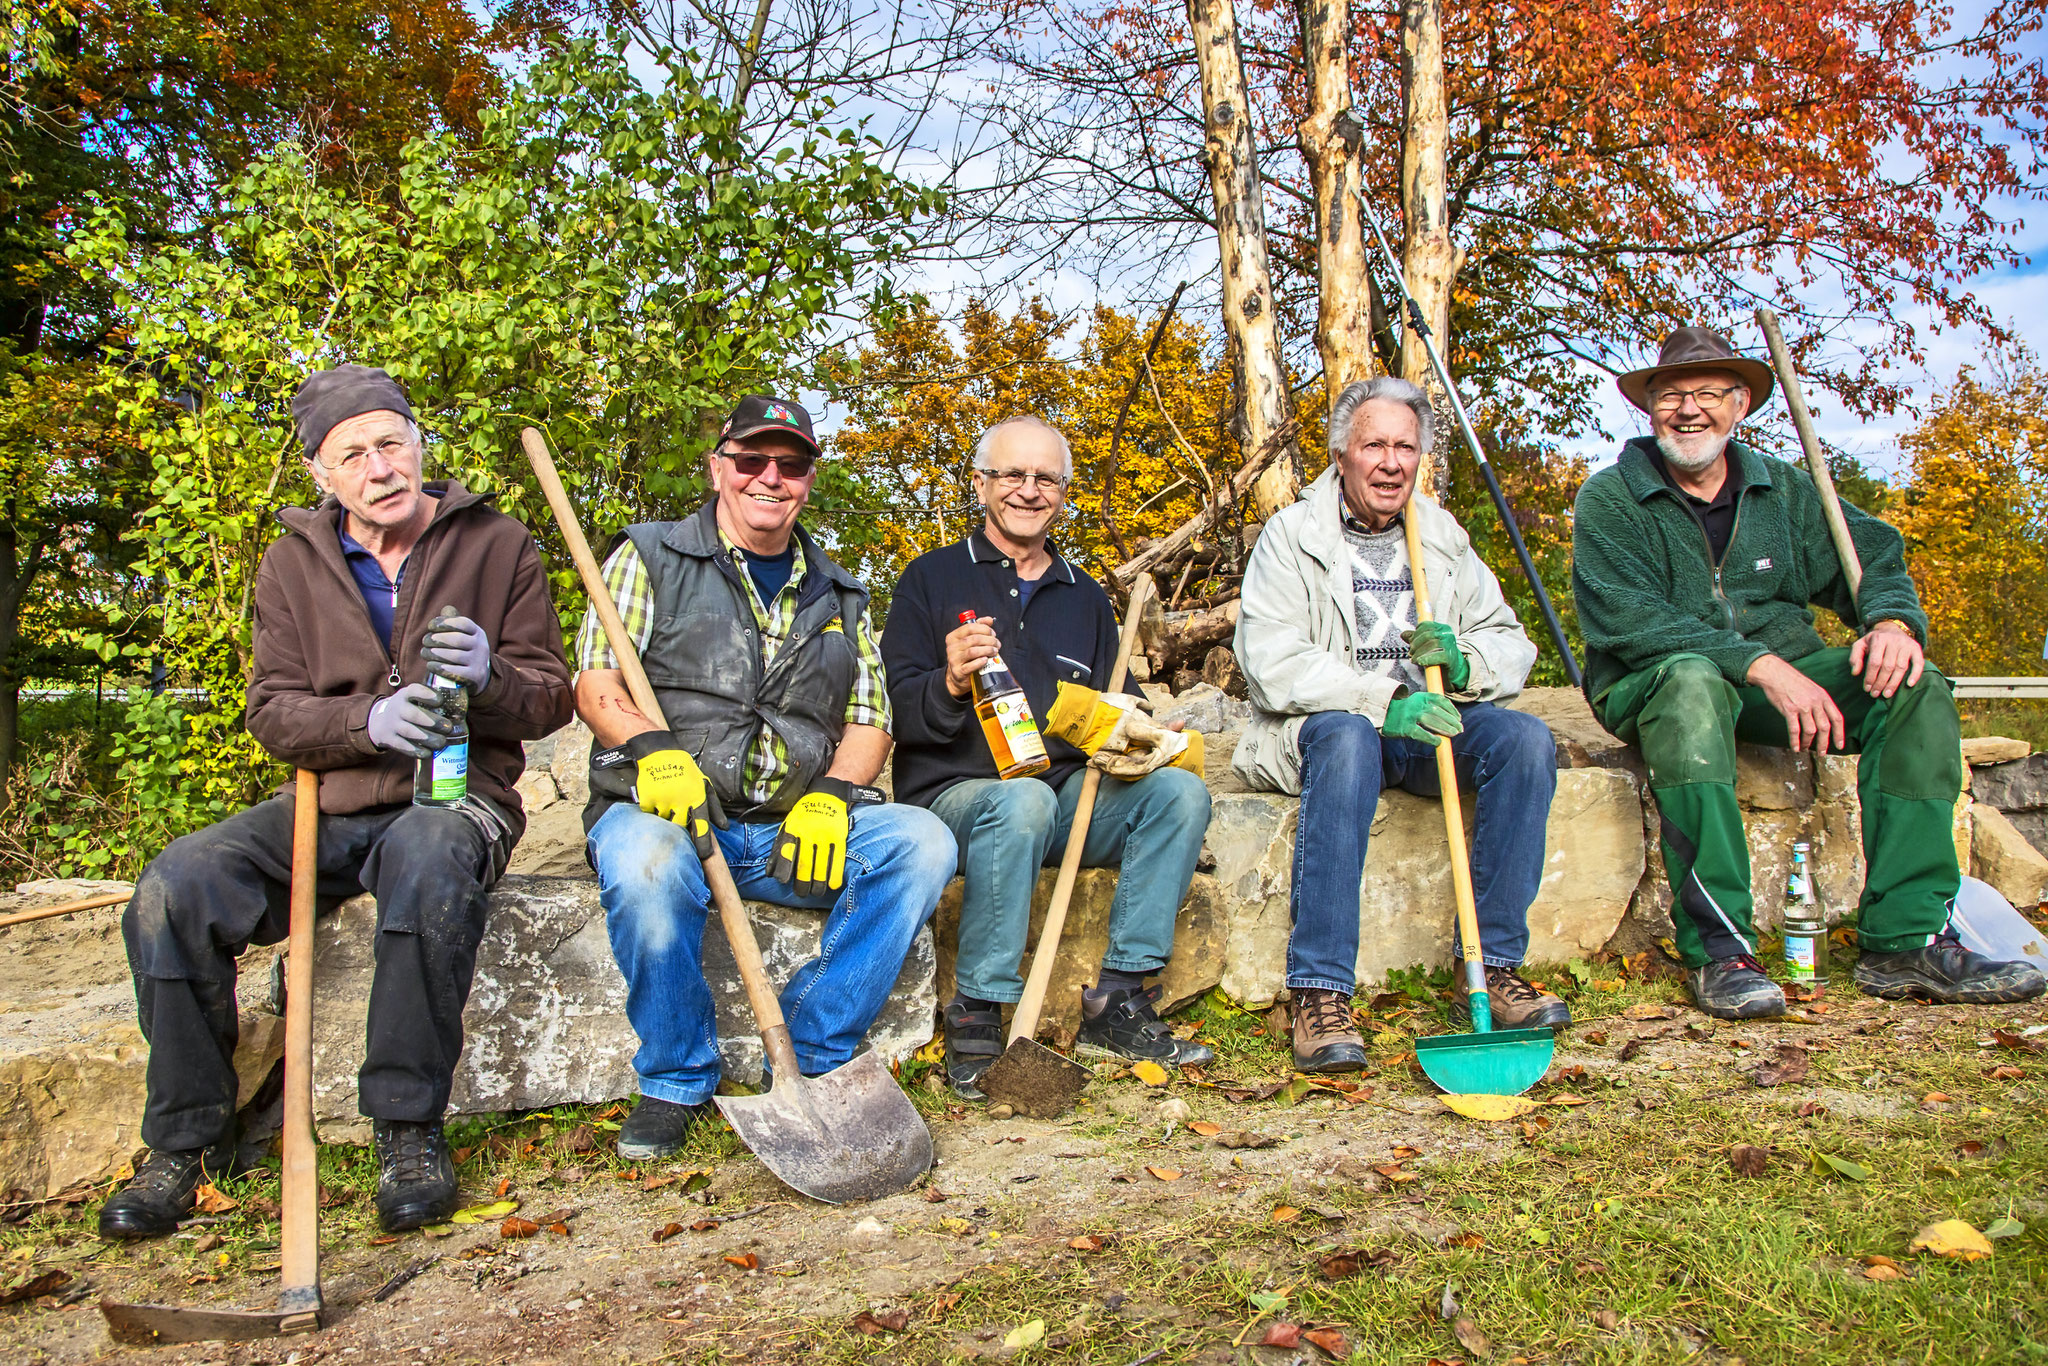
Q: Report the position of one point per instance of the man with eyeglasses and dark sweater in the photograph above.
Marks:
(1055, 630)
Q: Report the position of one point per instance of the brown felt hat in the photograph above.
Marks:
(1697, 348)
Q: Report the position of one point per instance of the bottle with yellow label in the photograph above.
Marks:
(1006, 719)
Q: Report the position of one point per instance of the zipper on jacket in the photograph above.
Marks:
(1714, 562)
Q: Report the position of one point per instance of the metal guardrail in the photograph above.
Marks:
(2000, 687)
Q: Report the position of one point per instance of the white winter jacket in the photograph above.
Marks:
(1297, 630)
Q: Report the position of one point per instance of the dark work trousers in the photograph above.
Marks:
(212, 893)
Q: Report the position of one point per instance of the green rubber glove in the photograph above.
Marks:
(1424, 716)
(1434, 643)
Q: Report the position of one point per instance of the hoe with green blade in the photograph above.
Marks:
(1488, 1061)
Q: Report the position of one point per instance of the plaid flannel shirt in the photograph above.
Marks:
(625, 574)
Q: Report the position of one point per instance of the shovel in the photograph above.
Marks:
(850, 1134)
(1488, 1061)
(1030, 1078)
(298, 1301)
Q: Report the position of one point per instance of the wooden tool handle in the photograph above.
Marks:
(300, 1239)
(725, 894)
(1024, 1020)
(89, 903)
(1816, 458)
(1446, 769)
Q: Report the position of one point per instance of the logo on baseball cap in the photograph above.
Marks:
(760, 413)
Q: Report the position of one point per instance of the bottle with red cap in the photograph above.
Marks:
(1006, 719)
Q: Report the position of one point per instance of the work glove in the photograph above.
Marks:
(456, 648)
(810, 850)
(1435, 643)
(670, 785)
(1426, 716)
(408, 722)
(1113, 730)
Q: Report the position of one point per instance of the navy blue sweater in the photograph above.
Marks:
(1067, 632)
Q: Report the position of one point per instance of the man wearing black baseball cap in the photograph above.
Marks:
(761, 653)
(348, 625)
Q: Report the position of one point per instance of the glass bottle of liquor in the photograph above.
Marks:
(1006, 720)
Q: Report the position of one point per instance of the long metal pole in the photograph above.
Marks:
(1420, 328)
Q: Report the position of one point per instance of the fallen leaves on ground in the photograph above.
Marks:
(1466, 1240)
(1244, 1138)
(2005, 1072)
(1286, 1214)
(1606, 1320)
(1024, 1335)
(887, 1321)
(1596, 1036)
(1952, 1238)
(1645, 1010)
(1788, 1063)
(1205, 1128)
(1470, 1338)
(1164, 1173)
(209, 1200)
(515, 1227)
(1489, 1109)
(1825, 1163)
(1878, 1267)
(1748, 1160)
(49, 1283)
(1341, 1266)
(2006, 1038)
(1248, 1095)
(2005, 1226)
(745, 1261)
(1281, 1333)
(1085, 1243)
(666, 1232)
(1149, 1072)
(1330, 1340)
(484, 1214)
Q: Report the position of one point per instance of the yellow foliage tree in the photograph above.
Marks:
(1975, 517)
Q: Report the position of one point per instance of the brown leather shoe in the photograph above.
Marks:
(1325, 1039)
(1514, 1003)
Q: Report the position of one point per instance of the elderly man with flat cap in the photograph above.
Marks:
(1697, 562)
(349, 623)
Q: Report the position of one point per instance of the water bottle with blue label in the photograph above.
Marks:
(1804, 928)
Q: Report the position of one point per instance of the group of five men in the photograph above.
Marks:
(1696, 562)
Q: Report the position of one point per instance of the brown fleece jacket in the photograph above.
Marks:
(320, 663)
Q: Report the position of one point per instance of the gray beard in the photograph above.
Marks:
(1692, 453)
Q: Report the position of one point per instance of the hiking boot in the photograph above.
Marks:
(1125, 1024)
(1325, 1038)
(415, 1174)
(658, 1127)
(1735, 989)
(1946, 971)
(161, 1191)
(974, 1040)
(1514, 1003)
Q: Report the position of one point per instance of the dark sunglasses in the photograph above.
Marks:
(751, 463)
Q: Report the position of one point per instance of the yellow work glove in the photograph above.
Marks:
(670, 785)
(1117, 736)
(810, 851)
(1083, 717)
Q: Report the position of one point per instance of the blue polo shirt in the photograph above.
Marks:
(380, 594)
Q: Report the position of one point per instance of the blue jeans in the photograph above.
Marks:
(1508, 756)
(656, 901)
(1008, 830)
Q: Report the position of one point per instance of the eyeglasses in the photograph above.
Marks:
(1710, 400)
(1377, 450)
(391, 448)
(1017, 479)
(751, 463)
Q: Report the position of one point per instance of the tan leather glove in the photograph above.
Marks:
(1117, 736)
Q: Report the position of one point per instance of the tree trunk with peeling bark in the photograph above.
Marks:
(1330, 138)
(1241, 237)
(1429, 259)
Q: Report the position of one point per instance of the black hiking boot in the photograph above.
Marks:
(1735, 989)
(161, 1191)
(415, 1174)
(657, 1128)
(974, 1040)
(1946, 971)
(1513, 1002)
(1125, 1024)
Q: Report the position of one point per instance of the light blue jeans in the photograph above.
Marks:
(656, 901)
(1008, 830)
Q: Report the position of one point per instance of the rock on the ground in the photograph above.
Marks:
(1985, 750)
(553, 844)
(1406, 912)
(1198, 947)
(1204, 707)
(2001, 856)
(2021, 785)
(1582, 742)
(569, 762)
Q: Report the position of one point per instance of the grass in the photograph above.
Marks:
(2021, 718)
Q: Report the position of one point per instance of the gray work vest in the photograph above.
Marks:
(703, 659)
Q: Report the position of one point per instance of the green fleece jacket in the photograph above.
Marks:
(1647, 586)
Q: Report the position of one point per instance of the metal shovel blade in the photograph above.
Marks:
(1502, 1062)
(148, 1325)
(848, 1135)
(1033, 1080)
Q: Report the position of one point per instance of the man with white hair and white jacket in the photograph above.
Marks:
(1330, 649)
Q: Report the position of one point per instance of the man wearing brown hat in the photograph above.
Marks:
(349, 622)
(1696, 561)
(761, 653)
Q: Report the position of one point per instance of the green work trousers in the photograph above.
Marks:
(1687, 717)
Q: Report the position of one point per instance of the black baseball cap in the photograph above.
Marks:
(760, 413)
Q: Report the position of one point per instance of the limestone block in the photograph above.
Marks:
(552, 845)
(1405, 907)
(546, 1021)
(2021, 785)
(569, 762)
(1769, 778)
(537, 790)
(1198, 938)
(1205, 707)
(2001, 856)
(1834, 829)
(1985, 750)
(1582, 742)
(1834, 778)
